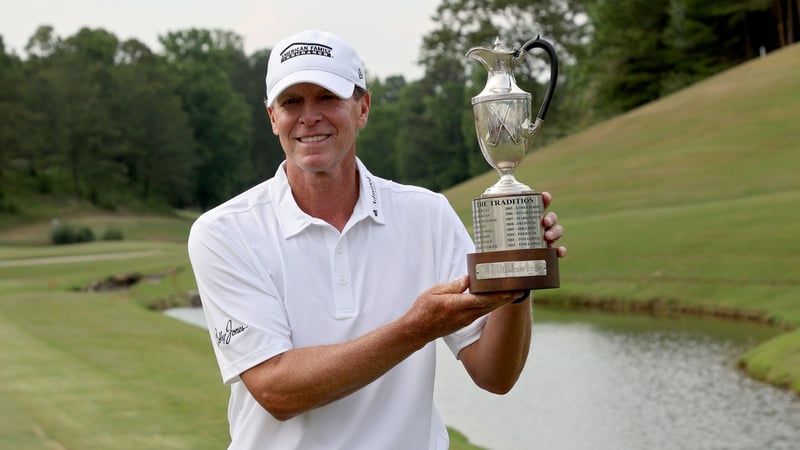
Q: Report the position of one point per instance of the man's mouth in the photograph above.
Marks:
(312, 139)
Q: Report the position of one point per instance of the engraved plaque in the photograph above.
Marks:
(506, 269)
(508, 222)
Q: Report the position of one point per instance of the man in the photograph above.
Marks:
(326, 287)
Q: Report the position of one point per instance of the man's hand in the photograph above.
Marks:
(447, 307)
(552, 231)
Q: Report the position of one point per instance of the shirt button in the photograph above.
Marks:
(342, 281)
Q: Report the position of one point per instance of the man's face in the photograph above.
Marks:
(316, 128)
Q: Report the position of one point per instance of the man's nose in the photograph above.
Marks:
(310, 113)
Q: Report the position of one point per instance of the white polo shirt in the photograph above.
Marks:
(272, 278)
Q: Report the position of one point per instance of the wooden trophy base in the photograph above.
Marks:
(513, 270)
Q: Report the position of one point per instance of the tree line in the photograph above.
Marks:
(119, 125)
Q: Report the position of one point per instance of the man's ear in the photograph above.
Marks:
(272, 120)
(366, 101)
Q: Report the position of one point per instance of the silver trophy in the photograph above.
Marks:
(507, 218)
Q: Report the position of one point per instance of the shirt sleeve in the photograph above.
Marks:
(246, 318)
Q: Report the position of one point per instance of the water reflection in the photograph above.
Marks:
(647, 384)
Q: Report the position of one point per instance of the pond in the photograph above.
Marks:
(599, 381)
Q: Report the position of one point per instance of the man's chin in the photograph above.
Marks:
(318, 163)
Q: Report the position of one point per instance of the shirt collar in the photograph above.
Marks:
(293, 220)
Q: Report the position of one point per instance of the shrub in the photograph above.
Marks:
(85, 234)
(67, 234)
(112, 234)
(62, 234)
(7, 206)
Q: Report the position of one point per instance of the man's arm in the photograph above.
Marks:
(305, 378)
(495, 361)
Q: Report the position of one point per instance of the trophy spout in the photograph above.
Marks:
(499, 63)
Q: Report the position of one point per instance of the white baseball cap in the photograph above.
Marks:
(316, 57)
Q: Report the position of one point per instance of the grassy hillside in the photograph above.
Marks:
(686, 204)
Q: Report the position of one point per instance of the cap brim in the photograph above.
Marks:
(339, 86)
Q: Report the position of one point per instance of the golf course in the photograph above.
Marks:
(685, 206)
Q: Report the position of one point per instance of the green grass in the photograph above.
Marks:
(689, 204)
(460, 442)
(761, 361)
(99, 372)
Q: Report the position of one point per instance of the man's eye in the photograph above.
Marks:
(290, 101)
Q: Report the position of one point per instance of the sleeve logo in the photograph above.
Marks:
(224, 336)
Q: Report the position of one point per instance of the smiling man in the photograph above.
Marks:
(338, 282)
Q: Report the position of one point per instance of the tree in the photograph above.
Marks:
(94, 149)
(265, 149)
(642, 50)
(786, 13)
(160, 160)
(217, 115)
(430, 145)
(68, 82)
(627, 55)
(10, 118)
(376, 142)
(43, 93)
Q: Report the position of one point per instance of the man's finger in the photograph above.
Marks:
(456, 286)
(553, 234)
(546, 199)
(494, 300)
(550, 219)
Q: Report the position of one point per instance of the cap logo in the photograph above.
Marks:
(305, 48)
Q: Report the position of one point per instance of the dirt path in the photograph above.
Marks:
(77, 258)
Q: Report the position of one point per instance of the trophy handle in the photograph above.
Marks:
(551, 85)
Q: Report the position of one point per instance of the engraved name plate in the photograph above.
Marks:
(508, 222)
(510, 269)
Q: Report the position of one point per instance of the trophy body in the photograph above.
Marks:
(511, 253)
